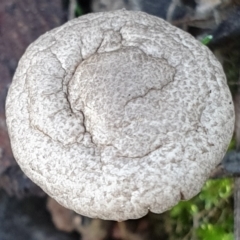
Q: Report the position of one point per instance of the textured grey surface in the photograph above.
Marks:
(117, 114)
(22, 22)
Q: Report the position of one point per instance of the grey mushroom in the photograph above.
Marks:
(116, 114)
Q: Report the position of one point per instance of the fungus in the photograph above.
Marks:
(116, 114)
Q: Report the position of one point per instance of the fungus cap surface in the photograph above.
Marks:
(116, 114)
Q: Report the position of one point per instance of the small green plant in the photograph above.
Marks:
(207, 39)
(208, 216)
(78, 10)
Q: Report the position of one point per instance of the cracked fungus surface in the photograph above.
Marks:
(117, 114)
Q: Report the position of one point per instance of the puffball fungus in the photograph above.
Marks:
(116, 114)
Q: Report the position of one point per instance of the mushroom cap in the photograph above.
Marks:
(116, 114)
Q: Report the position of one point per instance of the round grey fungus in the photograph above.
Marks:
(120, 113)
